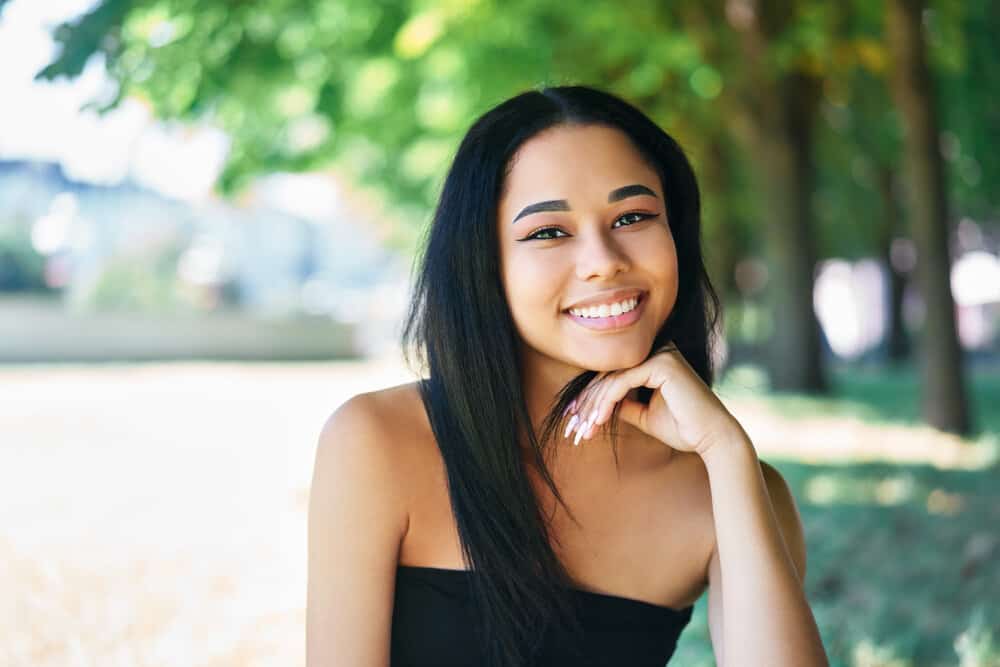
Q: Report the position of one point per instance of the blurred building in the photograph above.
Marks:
(126, 248)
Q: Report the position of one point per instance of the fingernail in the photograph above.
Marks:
(569, 427)
(582, 431)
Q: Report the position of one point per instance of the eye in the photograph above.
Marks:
(634, 217)
(541, 234)
(548, 233)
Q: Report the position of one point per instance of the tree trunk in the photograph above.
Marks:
(721, 245)
(775, 114)
(897, 342)
(782, 150)
(944, 398)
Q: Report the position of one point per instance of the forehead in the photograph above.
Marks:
(585, 160)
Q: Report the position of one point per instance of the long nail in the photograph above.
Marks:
(569, 427)
(580, 431)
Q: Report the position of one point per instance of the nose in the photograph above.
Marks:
(601, 257)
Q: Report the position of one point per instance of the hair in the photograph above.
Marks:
(460, 326)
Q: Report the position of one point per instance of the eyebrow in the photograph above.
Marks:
(617, 194)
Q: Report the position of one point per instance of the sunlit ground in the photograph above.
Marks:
(156, 514)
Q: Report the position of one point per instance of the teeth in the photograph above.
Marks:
(605, 310)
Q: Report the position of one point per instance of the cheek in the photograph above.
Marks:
(531, 285)
(654, 252)
(657, 257)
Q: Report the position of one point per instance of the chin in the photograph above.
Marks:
(614, 361)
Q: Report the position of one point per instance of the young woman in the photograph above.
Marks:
(563, 485)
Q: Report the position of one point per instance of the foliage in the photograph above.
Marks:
(387, 88)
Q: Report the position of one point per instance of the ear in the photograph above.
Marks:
(787, 514)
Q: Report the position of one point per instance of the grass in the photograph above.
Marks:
(155, 514)
(873, 394)
(903, 558)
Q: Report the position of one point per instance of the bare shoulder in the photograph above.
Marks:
(376, 426)
(357, 442)
(358, 516)
(366, 438)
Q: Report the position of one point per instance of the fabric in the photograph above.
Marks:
(432, 615)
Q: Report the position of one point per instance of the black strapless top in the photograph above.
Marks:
(431, 616)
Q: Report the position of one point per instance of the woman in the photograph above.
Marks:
(564, 485)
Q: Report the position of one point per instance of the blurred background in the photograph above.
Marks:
(209, 212)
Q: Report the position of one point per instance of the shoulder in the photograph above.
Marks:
(364, 439)
(359, 508)
(787, 514)
(376, 424)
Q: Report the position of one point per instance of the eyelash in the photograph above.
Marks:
(534, 235)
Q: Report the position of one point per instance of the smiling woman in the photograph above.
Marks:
(614, 244)
(562, 288)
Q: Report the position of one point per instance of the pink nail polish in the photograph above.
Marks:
(569, 427)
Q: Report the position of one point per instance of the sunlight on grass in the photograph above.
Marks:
(867, 418)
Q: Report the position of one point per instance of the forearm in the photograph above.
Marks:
(767, 619)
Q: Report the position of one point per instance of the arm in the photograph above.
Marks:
(767, 617)
(357, 518)
(760, 554)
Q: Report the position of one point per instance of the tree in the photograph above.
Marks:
(945, 403)
(776, 114)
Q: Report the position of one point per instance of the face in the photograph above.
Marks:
(582, 222)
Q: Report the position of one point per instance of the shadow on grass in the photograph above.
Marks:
(903, 559)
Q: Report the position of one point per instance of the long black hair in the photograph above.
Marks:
(460, 327)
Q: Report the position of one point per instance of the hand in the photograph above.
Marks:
(683, 412)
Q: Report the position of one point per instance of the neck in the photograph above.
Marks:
(542, 383)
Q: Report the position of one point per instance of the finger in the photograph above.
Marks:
(598, 403)
(579, 405)
(653, 373)
(588, 415)
(585, 400)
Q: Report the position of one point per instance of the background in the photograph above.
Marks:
(208, 217)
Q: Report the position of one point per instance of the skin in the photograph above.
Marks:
(598, 247)
(761, 615)
(378, 476)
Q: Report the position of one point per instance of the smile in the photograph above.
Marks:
(610, 321)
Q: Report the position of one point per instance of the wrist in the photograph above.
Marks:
(733, 444)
